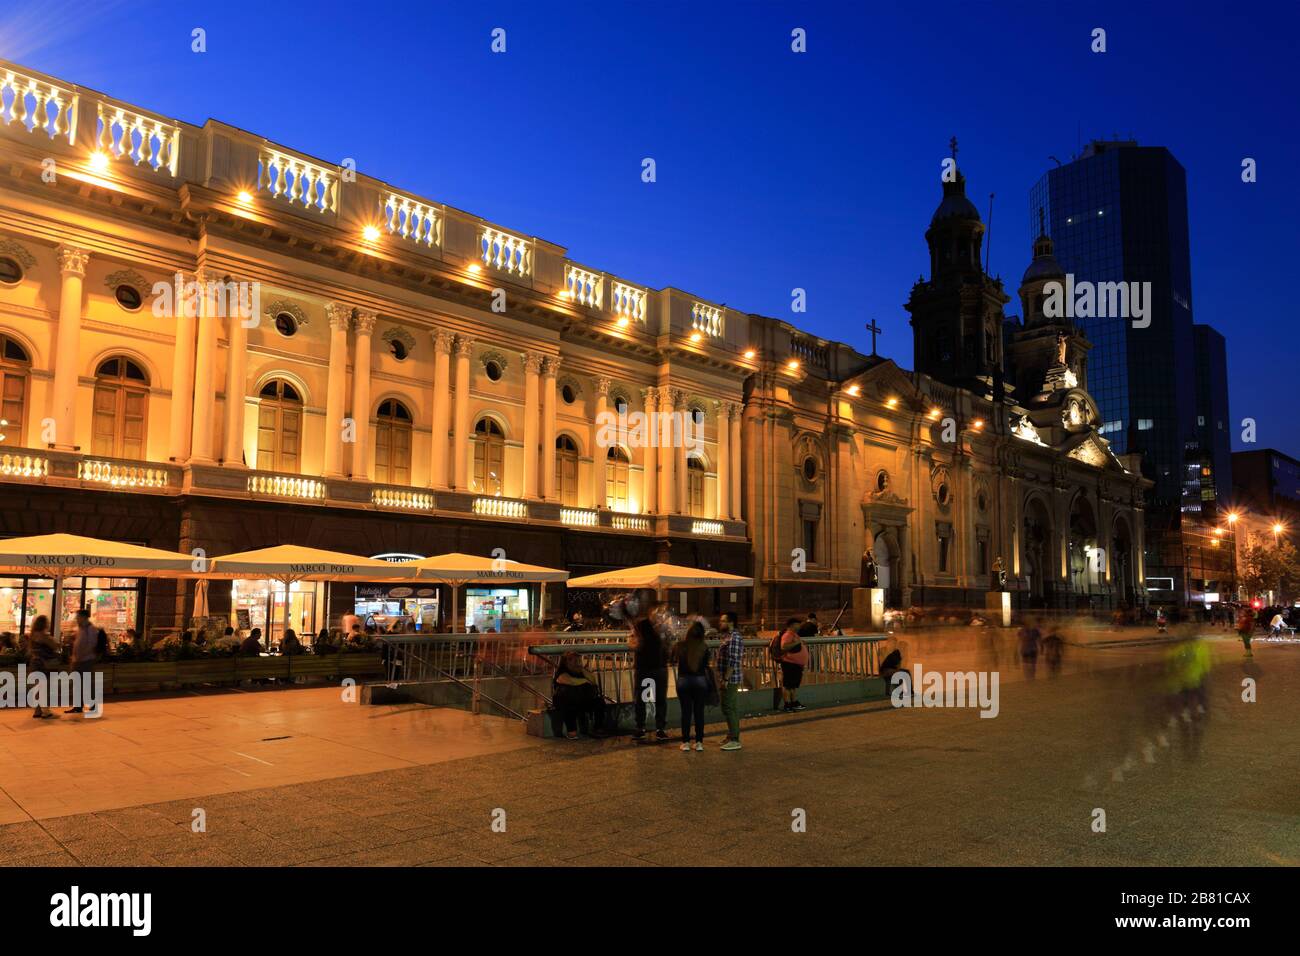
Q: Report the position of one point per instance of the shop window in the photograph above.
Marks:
(279, 427)
(489, 457)
(121, 405)
(616, 471)
(393, 444)
(566, 470)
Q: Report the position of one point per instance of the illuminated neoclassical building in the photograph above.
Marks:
(211, 341)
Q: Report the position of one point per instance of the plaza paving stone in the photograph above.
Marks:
(878, 785)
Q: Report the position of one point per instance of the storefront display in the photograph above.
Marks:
(397, 609)
(261, 604)
(497, 609)
(114, 603)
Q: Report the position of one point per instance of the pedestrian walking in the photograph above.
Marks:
(794, 658)
(1028, 638)
(692, 658)
(649, 671)
(42, 658)
(84, 644)
(731, 674)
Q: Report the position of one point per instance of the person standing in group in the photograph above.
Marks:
(42, 658)
(692, 657)
(84, 643)
(731, 674)
(649, 672)
(794, 658)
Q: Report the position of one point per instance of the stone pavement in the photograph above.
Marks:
(878, 785)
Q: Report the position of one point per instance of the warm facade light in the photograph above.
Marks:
(99, 161)
(1232, 517)
(1216, 532)
(474, 268)
(977, 424)
(934, 413)
(245, 196)
(370, 233)
(695, 336)
(750, 353)
(853, 390)
(892, 403)
(622, 322)
(1279, 528)
(792, 365)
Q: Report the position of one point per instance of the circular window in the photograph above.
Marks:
(11, 273)
(568, 394)
(882, 480)
(943, 493)
(494, 370)
(620, 405)
(809, 468)
(286, 324)
(128, 297)
(398, 349)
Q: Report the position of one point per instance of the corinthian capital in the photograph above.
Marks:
(464, 345)
(533, 362)
(551, 366)
(72, 261)
(366, 321)
(340, 315)
(443, 341)
(602, 386)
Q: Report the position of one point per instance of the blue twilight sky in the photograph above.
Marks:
(775, 170)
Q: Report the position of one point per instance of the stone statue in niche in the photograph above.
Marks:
(999, 575)
(870, 573)
(1062, 341)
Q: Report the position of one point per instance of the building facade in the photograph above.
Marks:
(212, 342)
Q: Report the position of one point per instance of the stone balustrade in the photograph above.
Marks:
(144, 140)
(124, 475)
(505, 253)
(265, 485)
(37, 105)
(584, 287)
(300, 182)
(413, 220)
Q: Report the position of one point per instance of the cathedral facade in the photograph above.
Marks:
(211, 341)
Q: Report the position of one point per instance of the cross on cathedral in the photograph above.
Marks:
(874, 330)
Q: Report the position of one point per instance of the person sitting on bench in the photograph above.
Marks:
(575, 692)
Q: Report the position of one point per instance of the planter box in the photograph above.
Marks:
(247, 668)
(146, 676)
(217, 670)
(361, 666)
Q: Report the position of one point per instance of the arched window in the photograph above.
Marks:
(566, 470)
(279, 427)
(393, 444)
(121, 408)
(695, 487)
(616, 468)
(15, 364)
(489, 457)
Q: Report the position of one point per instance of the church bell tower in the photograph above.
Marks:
(957, 313)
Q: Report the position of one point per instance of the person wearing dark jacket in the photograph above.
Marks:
(692, 656)
(252, 645)
(575, 693)
(650, 675)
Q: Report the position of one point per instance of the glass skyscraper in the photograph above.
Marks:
(1118, 213)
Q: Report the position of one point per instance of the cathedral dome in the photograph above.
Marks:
(954, 204)
(1043, 267)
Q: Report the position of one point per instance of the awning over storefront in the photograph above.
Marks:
(457, 569)
(660, 577)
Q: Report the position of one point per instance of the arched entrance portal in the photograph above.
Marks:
(1084, 557)
(1036, 566)
(1122, 567)
(883, 548)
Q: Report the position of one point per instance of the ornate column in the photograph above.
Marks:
(182, 410)
(336, 389)
(549, 369)
(663, 435)
(599, 454)
(734, 450)
(650, 476)
(63, 397)
(365, 327)
(685, 426)
(232, 454)
(442, 343)
(205, 373)
(724, 459)
(460, 443)
(532, 421)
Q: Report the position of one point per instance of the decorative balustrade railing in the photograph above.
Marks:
(286, 486)
(706, 319)
(123, 475)
(413, 220)
(809, 353)
(505, 253)
(621, 522)
(584, 287)
(402, 499)
(143, 140)
(38, 105)
(301, 183)
(22, 465)
(501, 507)
(628, 302)
(579, 517)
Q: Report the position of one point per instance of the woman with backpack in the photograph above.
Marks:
(692, 656)
(792, 653)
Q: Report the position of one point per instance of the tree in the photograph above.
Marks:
(1266, 567)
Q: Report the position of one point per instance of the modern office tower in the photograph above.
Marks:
(1209, 477)
(1117, 213)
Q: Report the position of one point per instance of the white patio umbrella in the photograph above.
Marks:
(660, 577)
(288, 563)
(62, 556)
(456, 570)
